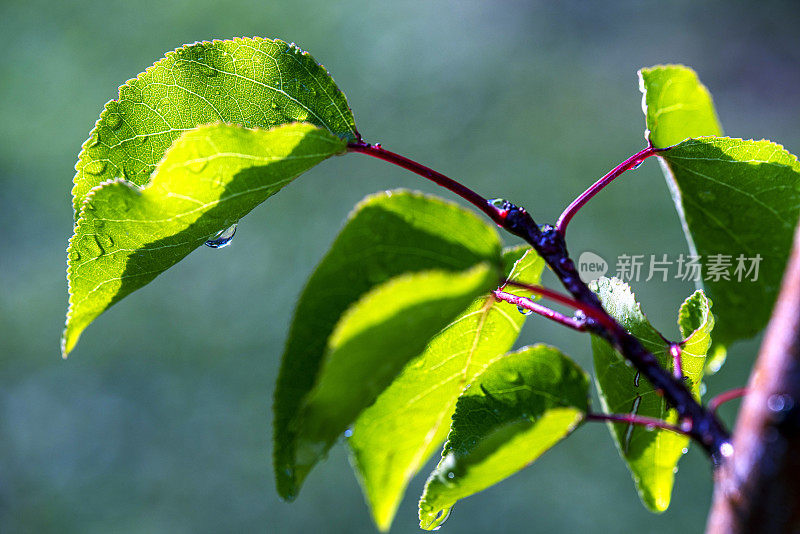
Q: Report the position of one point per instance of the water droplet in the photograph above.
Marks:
(707, 196)
(95, 167)
(74, 255)
(197, 165)
(637, 164)
(703, 389)
(779, 403)
(649, 428)
(726, 449)
(141, 139)
(441, 517)
(209, 72)
(222, 239)
(113, 120)
(348, 433)
(684, 450)
(105, 241)
(418, 363)
(675, 470)
(90, 247)
(451, 475)
(524, 311)
(636, 380)
(93, 141)
(514, 377)
(499, 203)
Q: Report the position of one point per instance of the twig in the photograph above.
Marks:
(726, 396)
(549, 243)
(640, 420)
(630, 163)
(544, 311)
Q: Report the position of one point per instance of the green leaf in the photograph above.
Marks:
(253, 82)
(738, 200)
(125, 235)
(387, 235)
(676, 105)
(520, 406)
(652, 455)
(371, 344)
(392, 439)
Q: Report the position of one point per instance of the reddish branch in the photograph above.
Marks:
(758, 487)
(548, 241)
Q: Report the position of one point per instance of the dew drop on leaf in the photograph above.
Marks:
(93, 141)
(197, 165)
(222, 239)
(95, 167)
(113, 121)
(74, 255)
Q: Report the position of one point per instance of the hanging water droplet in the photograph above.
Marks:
(703, 388)
(524, 311)
(684, 450)
(649, 428)
(348, 433)
(637, 164)
(499, 203)
(222, 239)
(95, 167)
(441, 517)
(636, 380)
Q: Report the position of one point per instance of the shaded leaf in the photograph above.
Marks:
(387, 235)
(739, 201)
(212, 176)
(253, 82)
(392, 439)
(520, 406)
(652, 455)
(370, 345)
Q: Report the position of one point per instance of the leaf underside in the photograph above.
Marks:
(388, 235)
(739, 201)
(522, 404)
(392, 439)
(651, 455)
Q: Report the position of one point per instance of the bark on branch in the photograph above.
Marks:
(757, 489)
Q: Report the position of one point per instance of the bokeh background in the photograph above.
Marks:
(160, 421)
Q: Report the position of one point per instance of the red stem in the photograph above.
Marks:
(377, 151)
(636, 420)
(586, 196)
(590, 312)
(726, 396)
(544, 311)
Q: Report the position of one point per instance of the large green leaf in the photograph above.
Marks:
(392, 439)
(369, 347)
(676, 105)
(387, 235)
(520, 406)
(252, 82)
(212, 176)
(651, 454)
(739, 201)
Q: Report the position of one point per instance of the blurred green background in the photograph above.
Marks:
(160, 421)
